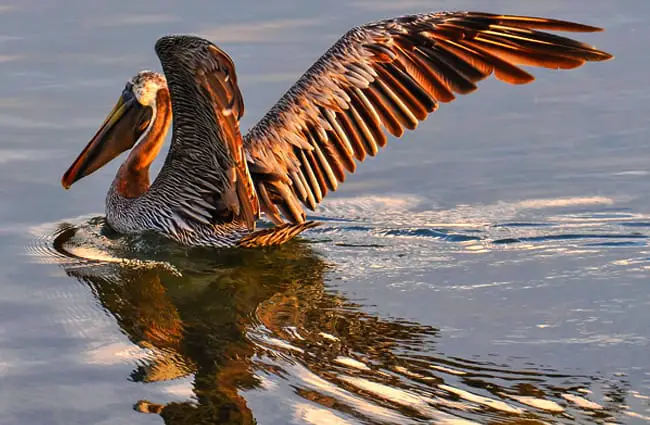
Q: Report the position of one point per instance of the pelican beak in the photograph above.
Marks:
(118, 133)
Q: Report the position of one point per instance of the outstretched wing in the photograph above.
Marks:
(205, 176)
(387, 76)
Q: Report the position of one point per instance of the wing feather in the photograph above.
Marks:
(206, 169)
(385, 77)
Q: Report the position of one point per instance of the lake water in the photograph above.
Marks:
(492, 266)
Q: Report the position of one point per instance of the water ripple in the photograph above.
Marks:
(567, 237)
(219, 330)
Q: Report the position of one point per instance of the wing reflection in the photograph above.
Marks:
(239, 322)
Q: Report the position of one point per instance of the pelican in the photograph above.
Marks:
(378, 79)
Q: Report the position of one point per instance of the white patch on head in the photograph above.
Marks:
(145, 86)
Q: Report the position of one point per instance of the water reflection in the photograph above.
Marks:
(238, 322)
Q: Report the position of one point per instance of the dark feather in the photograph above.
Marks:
(392, 74)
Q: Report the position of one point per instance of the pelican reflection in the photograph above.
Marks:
(264, 323)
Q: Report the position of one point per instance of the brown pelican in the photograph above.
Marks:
(381, 77)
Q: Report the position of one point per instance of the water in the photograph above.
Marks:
(491, 266)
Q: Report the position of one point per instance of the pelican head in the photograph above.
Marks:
(129, 122)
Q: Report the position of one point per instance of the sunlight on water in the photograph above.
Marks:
(490, 267)
(83, 246)
(281, 323)
(116, 353)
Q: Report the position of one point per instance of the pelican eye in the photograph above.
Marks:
(127, 93)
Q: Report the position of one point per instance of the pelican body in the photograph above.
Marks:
(379, 78)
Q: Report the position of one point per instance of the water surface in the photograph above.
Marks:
(490, 267)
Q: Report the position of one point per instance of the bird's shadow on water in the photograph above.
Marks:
(236, 322)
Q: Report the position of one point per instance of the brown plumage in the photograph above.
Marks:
(391, 74)
(275, 235)
(378, 79)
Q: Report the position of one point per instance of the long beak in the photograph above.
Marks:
(105, 145)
